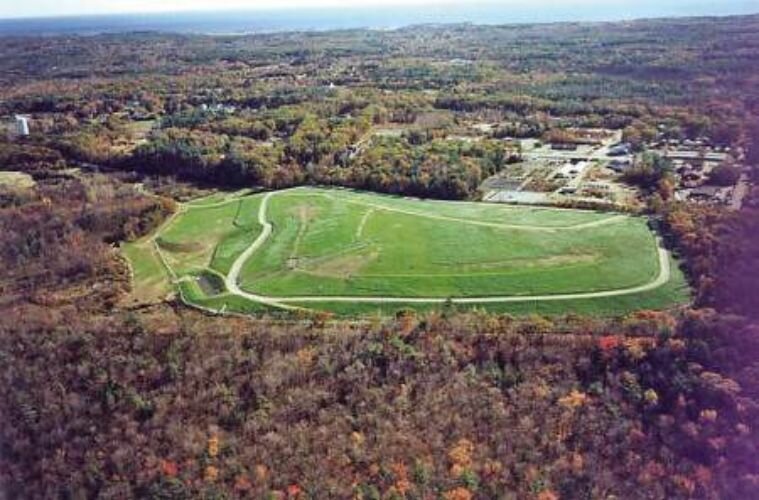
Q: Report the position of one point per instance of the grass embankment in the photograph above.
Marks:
(200, 242)
(342, 243)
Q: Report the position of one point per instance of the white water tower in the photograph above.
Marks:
(22, 125)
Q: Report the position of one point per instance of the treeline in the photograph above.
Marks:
(31, 158)
(58, 235)
(720, 247)
(448, 169)
(600, 114)
(720, 253)
(652, 173)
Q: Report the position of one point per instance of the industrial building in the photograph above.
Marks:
(22, 126)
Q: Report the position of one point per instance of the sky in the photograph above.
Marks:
(51, 8)
(39, 8)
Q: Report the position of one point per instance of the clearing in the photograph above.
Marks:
(354, 252)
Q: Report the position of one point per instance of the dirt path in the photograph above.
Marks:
(496, 225)
(156, 248)
(232, 279)
(230, 198)
(360, 230)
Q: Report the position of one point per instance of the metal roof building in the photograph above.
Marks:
(22, 125)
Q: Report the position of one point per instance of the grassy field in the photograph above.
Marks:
(339, 243)
(210, 235)
(150, 282)
(206, 234)
(674, 293)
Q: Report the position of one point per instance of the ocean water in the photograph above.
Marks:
(492, 12)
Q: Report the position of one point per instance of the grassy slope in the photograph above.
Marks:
(210, 236)
(316, 249)
(202, 237)
(488, 212)
(438, 257)
(673, 294)
(150, 282)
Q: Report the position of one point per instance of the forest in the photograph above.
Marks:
(101, 399)
(285, 109)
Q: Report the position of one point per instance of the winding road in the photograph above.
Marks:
(232, 279)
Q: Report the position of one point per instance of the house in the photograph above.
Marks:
(563, 146)
(571, 170)
(619, 166)
(597, 186)
(688, 173)
(703, 193)
(620, 150)
(711, 194)
(696, 156)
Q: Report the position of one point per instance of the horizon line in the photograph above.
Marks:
(371, 4)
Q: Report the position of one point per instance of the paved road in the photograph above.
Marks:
(232, 279)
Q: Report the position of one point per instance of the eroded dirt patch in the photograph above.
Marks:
(340, 266)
